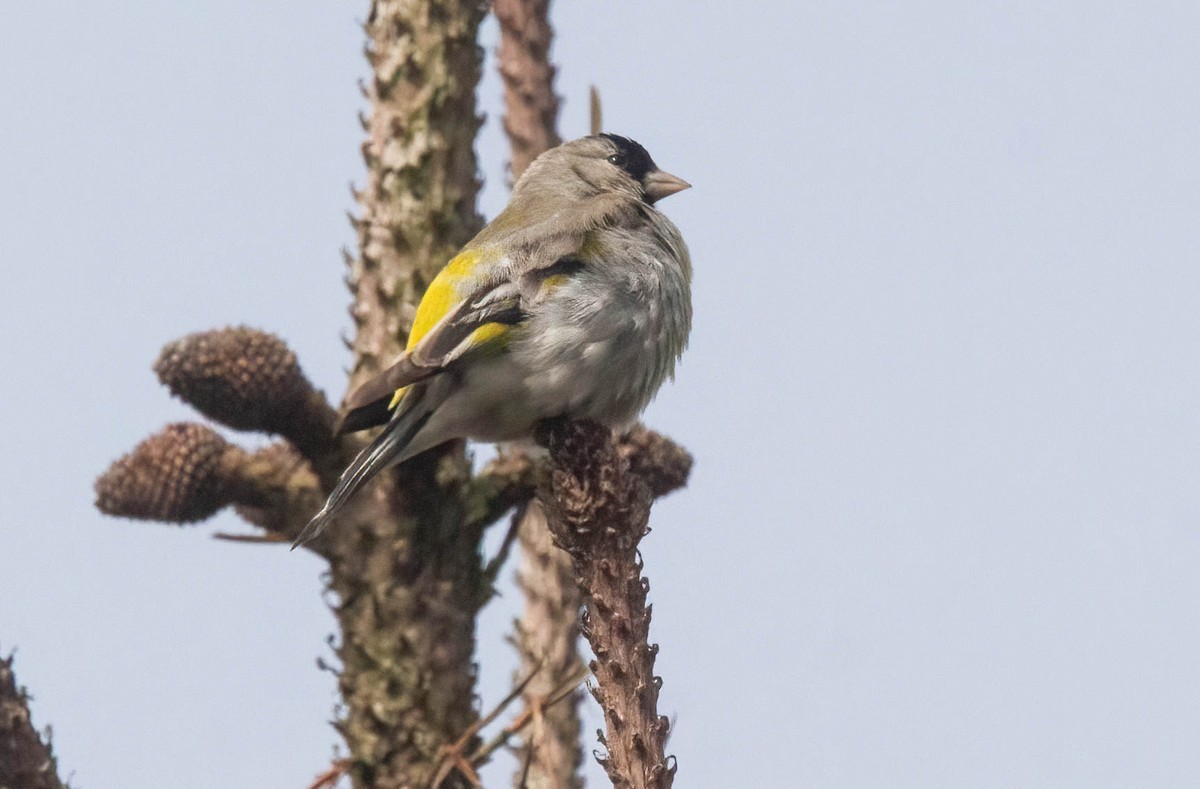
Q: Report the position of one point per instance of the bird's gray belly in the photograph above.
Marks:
(595, 350)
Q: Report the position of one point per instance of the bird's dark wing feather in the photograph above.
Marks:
(368, 405)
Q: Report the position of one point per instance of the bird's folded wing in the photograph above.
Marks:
(456, 333)
(495, 304)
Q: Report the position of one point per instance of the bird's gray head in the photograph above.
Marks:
(603, 163)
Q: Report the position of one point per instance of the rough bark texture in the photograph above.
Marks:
(530, 104)
(598, 509)
(418, 204)
(26, 761)
(406, 573)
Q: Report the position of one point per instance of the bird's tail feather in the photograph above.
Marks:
(386, 449)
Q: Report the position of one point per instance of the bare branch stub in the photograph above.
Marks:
(598, 510)
(26, 760)
(506, 482)
(663, 464)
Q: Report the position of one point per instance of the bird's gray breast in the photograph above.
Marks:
(602, 339)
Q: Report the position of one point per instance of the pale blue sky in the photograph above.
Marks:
(943, 387)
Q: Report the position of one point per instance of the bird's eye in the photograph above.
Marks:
(618, 159)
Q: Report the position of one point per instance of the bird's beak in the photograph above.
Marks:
(660, 184)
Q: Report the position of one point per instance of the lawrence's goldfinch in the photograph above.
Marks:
(574, 301)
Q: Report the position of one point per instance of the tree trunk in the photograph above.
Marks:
(405, 569)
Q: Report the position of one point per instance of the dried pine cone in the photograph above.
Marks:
(241, 377)
(184, 473)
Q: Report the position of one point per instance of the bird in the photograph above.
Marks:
(574, 301)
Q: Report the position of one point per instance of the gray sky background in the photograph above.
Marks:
(943, 387)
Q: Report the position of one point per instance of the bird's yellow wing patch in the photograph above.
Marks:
(489, 332)
(448, 288)
(497, 333)
(444, 293)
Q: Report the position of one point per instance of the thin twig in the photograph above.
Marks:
(527, 715)
(452, 754)
(270, 537)
(524, 781)
(596, 116)
(493, 566)
(329, 778)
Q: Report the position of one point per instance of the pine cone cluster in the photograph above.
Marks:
(183, 474)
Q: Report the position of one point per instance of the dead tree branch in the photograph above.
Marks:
(598, 509)
(26, 760)
(523, 58)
